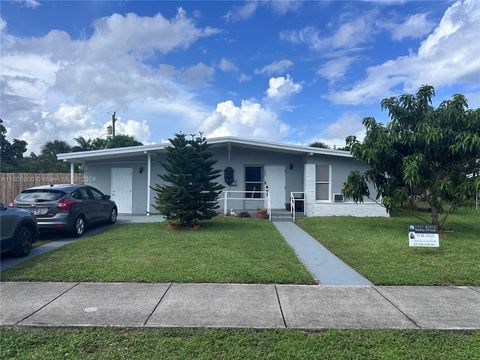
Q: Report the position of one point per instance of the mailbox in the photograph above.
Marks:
(228, 175)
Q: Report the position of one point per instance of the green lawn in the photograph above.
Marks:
(236, 344)
(378, 248)
(225, 250)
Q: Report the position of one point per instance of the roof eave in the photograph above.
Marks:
(136, 150)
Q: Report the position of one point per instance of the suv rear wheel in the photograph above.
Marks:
(78, 226)
(23, 241)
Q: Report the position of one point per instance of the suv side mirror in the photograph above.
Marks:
(106, 197)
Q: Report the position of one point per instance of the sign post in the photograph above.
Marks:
(424, 235)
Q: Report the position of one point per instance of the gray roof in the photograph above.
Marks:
(228, 140)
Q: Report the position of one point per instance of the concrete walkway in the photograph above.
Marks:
(324, 266)
(43, 304)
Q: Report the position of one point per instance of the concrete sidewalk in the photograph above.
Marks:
(238, 306)
(324, 266)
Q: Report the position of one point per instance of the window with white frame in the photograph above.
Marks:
(322, 182)
(254, 181)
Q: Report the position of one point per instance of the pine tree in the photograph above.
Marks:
(204, 177)
(190, 194)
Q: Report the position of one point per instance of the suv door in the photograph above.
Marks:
(102, 206)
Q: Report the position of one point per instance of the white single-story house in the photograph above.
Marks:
(255, 174)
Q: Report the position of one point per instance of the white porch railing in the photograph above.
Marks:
(293, 200)
(265, 196)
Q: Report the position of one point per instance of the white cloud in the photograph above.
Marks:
(349, 35)
(54, 87)
(138, 129)
(349, 123)
(336, 68)
(120, 33)
(283, 6)
(228, 66)
(244, 77)
(357, 30)
(198, 74)
(449, 55)
(281, 88)
(248, 9)
(69, 121)
(253, 119)
(239, 13)
(275, 68)
(33, 4)
(414, 26)
(250, 120)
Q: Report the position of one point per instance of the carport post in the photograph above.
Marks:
(149, 174)
(72, 172)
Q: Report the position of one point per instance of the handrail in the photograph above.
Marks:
(292, 206)
(266, 197)
(293, 200)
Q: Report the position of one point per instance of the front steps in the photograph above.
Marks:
(277, 214)
(281, 215)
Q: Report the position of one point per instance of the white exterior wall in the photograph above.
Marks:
(301, 177)
(330, 208)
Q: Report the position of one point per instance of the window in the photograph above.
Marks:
(253, 181)
(322, 182)
(97, 195)
(40, 195)
(81, 194)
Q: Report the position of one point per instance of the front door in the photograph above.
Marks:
(275, 182)
(122, 189)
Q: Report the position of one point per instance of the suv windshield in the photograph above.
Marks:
(40, 195)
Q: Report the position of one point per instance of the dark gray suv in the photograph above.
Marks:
(18, 230)
(67, 207)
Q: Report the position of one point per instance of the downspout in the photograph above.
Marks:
(149, 176)
(72, 172)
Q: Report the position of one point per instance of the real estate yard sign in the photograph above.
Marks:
(424, 235)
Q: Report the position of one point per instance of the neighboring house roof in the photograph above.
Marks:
(246, 143)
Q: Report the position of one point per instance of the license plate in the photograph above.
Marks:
(39, 211)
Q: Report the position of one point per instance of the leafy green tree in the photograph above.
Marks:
(11, 154)
(319, 144)
(122, 141)
(108, 143)
(83, 144)
(54, 147)
(99, 144)
(190, 194)
(426, 153)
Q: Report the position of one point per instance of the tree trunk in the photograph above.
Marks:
(434, 216)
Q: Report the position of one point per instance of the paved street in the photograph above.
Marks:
(238, 306)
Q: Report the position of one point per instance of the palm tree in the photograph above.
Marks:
(83, 144)
(54, 147)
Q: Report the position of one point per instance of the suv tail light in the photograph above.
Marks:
(65, 204)
(11, 204)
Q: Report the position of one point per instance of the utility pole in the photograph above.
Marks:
(114, 120)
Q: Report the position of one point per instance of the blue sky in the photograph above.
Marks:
(283, 71)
